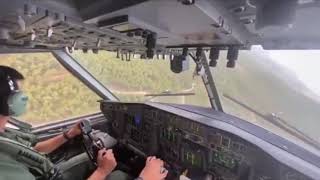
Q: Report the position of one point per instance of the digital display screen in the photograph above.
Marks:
(137, 119)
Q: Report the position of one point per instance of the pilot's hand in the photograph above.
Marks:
(74, 131)
(106, 161)
(154, 169)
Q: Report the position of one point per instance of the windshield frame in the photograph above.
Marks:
(78, 71)
(208, 81)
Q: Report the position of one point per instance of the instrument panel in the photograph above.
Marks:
(189, 146)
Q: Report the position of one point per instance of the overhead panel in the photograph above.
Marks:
(176, 24)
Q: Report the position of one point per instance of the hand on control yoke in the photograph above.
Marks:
(74, 131)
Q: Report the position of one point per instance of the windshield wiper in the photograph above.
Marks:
(277, 121)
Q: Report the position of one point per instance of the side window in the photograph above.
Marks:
(54, 93)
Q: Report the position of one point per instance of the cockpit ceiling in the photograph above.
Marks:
(154, 26)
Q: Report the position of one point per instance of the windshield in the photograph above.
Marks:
(277, 90)
(141, 80)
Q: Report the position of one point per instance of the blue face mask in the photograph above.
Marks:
(17, 103)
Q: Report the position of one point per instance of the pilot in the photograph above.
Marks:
(22, 157)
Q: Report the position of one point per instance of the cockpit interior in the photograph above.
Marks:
(195, 142)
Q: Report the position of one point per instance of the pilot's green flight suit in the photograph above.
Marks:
(10, 169)
(77, 168)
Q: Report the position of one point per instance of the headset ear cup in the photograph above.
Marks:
(10, 104)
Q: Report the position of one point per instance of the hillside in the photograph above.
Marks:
(130, 81)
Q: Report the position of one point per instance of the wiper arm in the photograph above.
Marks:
(277, 121)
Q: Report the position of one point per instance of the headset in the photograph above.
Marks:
(12, 85)
(17, 100)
